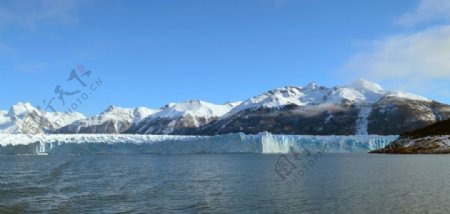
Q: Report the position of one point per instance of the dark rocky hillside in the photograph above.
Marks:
(433, 139)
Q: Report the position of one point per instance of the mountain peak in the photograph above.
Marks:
(20, 109)
(196, 108)
(312, 86)
(232, 104)
(366, 86)
(110, 108)
(190, 104)
(22, 105)
(194, 102)
(141, 113)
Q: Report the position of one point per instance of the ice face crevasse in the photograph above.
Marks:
(264, 142)
(362, 123)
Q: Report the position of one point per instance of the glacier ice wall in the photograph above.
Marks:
(171, 144)
(329, 144)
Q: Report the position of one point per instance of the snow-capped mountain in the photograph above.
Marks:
(25, 119)
(141, 113)
(360, 108)
(181, 118)
(360, 92)
(113, 120)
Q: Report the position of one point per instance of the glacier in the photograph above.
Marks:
(262, 143)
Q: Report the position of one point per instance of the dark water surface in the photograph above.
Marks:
(241, 183)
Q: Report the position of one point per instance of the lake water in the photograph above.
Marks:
(240, 183)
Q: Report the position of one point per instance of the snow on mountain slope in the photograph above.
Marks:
(181, 117)
(20, 109)
(195, 108)
(112, 120)
(60, 119)
(367, 87)
(232, 104)
(362, 107)
(113, 113)
(24, 118)
(405, 95)
(358, 108)
(12, 122)
(292, 95)
(141, 113)
(361, 92)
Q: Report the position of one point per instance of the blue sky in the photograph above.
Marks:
(149, 53)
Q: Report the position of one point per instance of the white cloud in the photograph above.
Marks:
(427, 10)
(417, 61)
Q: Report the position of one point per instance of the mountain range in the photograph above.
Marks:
(360, 108)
